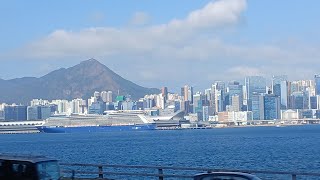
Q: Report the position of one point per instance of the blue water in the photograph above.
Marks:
(292, 148)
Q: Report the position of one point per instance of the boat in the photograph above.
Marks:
(95, 123)
(83, 129)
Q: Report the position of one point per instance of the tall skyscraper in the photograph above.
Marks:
(97, 95)
(219, 91)
(187, 93)
(109, 96)
(235, 89)
(104, 96)
(271, 107)
(284, 92)
(164, 92)
(254, 84)
(15, 113)
(257, 106)
(317, 84)
(278, 79)
(236, 104)
(198, 103)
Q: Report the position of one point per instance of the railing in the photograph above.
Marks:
(77, 170)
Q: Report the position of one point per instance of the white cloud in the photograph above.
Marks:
(140, 18)
(187, 49)
(108, 40)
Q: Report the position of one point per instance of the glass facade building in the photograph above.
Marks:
(271, 107)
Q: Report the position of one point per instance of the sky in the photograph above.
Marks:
(163, 43)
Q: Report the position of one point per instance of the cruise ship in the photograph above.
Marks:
(132, 120)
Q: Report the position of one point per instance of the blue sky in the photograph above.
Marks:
(162, 43)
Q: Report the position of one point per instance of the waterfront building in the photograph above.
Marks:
(297, 100)
(236, 103)
(63, 106)
(128, 105)
(207, 93)
(140, 105)
(207, 112)
(104, 96)
(277, 79)
(313, 102)
(257, 106)
(236, 118)
(318, 101)
(97, 107)
(92, 100)
(284, 94)
(254, 84)
(235, 88)
(187, 93)
(317, 84)
(219, 91)
(164, 92)
(1, 115)
(160, 101)
(97, 95)
(271, 107)
(33, 112)
(198, 100)
(78, 106)
(109, 96)
(290, 114)
(39, 102)
(15, 113)
(45, 112)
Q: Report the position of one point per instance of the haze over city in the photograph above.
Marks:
(163, 43)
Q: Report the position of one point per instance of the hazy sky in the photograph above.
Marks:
(163, 43)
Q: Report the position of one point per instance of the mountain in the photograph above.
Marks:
(79, 81)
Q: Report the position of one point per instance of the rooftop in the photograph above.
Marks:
(26, 158)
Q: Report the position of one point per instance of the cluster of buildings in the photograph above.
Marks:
(255, 99)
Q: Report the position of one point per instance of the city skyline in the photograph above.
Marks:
(206, 40)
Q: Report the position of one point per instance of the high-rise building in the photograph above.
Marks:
(313, 102)
(198, 103)
(104, 96)
(277, 80)
(206, 112)
(317, 84)
(236, 103)
(109, 96)
(257, 106)
(297, 100)
(164, 92)
(284, 94)
(33, 113)
(97, 95)
(15, 113)
(219, 92)
(271, 107)
(235, 88)
(39, 102)
(188, 93)
(254, 84)
(97, 107)
(45, 112)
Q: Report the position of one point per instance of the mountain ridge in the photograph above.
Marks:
(79, 81)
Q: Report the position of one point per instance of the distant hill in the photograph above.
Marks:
(79, 81)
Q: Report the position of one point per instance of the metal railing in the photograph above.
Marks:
(106, 171)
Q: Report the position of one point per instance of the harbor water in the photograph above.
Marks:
(291, 148)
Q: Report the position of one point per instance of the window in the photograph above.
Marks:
(48, 170)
